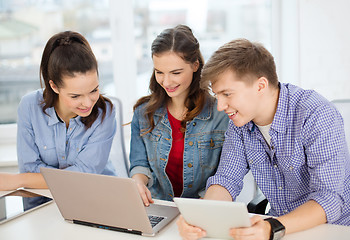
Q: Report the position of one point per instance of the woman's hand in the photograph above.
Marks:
(8, 181)
(141, 181)
(260, 230)
(189, 232)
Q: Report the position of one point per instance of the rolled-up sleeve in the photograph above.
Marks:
(325, 149)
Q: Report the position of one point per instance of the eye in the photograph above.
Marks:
(75, 96)
(95, 90)
(227, 94)
(176, 73)
(157, 72)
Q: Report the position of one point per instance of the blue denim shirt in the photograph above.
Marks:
(44, 141)
(203, 141)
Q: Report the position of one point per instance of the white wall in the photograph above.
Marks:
(324, 47)
(314, 50)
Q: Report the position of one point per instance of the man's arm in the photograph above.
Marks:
(308, 215)
(217, 192)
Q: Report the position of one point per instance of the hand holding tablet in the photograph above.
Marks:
(215, 217)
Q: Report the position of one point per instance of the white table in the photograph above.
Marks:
(47, 223)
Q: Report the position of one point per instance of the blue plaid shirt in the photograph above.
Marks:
(308, 158)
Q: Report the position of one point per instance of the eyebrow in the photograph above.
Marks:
(222, 91)
(175, 70)
(75, 94)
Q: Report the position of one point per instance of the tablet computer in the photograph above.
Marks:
(19, 202)
(215, 217)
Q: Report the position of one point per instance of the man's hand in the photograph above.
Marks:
(189, 232)
(260, 230)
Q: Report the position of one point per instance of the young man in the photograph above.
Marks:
(291, 139)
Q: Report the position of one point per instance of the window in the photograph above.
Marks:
(25, 27)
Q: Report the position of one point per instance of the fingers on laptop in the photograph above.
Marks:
(145, 193)
(189, 232)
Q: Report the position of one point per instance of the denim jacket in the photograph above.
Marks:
(204, 138)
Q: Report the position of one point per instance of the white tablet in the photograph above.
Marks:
(17, 203)
(215, 217)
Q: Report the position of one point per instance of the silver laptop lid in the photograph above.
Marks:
(98, 199)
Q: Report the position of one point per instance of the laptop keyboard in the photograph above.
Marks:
(155, 220)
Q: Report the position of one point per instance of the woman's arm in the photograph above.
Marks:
(10, 181)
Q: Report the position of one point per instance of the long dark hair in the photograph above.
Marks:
(180, 40)
(65, 54)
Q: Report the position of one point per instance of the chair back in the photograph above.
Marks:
(118, 154)
(343, 105)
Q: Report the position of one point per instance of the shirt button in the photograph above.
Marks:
(63, 157)
(45, 147)
(291, 168)
(285, 211)
(190, 185)
(272, 147)
(70, 129)
(250, 161)
(190, 143)
(194, 124)
(280, 188)
(275, 166)
(189, 165)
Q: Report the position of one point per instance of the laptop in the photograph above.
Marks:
(105, 202)
(215, 217)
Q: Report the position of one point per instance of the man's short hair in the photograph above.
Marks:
(243, 58)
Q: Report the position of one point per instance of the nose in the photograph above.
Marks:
(166, 80)
(87, 102)
(222, 105)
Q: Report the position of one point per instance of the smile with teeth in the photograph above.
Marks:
(232, 113)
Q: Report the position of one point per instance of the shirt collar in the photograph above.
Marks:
(280, 119)
(54, 119)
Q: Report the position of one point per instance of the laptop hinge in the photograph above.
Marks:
(107, 227)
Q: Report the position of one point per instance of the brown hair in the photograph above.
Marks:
(243, 58)
(65, 54)
(179, 40)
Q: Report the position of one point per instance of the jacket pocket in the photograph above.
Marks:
(209, 149)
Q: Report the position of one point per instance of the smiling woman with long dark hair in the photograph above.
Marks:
(176, 131)
(68, 124)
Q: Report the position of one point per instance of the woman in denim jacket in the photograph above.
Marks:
(176, 132)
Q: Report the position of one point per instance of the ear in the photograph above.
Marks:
(263, 84)
(53, 87)
(195, 66)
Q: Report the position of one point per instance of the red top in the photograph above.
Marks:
(174, 168)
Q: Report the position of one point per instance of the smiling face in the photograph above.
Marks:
(77, 96)
(240, 99)
(174, 74)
